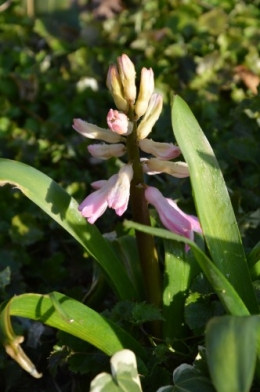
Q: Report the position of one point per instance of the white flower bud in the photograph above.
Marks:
(106, 151)
(127, 75)
(164, 151)
(151, 116)
(145, 91)
(156, 166)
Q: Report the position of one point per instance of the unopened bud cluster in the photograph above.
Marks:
(137, 112)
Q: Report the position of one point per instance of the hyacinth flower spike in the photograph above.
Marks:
(128, 129)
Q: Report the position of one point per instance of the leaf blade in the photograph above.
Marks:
(87, 324)
(231, 344)
(61, 207)
(212, 202)
(225, 291)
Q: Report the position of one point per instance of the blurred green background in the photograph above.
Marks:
(54, 56)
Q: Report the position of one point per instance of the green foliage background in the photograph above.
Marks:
(52, 69)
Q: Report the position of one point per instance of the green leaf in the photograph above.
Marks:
(125, 376)
(188, 379)
(255, 270)
(126, 247)
(199, 309)
(227, 294)
(69, 316)
(5, 278)
(231, 344)
(180, 269)
(213, 203)
(24, 229)
(254, 255)
(61, 207)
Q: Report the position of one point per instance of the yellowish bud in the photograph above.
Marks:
(145, 91)
(127, 75)
(156, 166)
(115, 86)
(151, 116)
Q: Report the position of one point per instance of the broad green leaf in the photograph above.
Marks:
(124, 377)
(213, 203)
(231, 344)
(188, 379)
(69, 316)
(228, 296)
(61, 207)
(199, 309)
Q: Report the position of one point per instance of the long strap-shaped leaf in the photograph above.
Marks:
(225, 291)
(232, 348)
(80, 321)
(61, 207)
(213, 203)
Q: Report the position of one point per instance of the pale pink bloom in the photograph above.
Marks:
(98, 184)
(92, 131)
(145, 91)
(164, 151)
(119, 123)
(151, 116)
(171, 216)
(95, 204)
(113, 193)
(118, 196)
(127, 73)
(115, 86)
(155, 166)
(106, 151)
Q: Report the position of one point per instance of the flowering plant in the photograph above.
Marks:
(208, 245)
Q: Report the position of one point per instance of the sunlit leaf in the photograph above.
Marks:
(61, 207)
(213, 203)
(231, 344)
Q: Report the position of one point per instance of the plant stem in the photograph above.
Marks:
(145, 242)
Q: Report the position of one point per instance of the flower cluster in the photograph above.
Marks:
(137, 113)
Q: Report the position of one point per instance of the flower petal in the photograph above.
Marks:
(151, 116)
(171, 216)
(163, 151)
(106, 151)
(92, 131)
(118, 196)
(175, 169)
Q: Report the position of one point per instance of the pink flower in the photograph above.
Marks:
(92, 131)
(119, 123)
(113, 193)
(164, 151)
(171, 216)
(106, 151)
